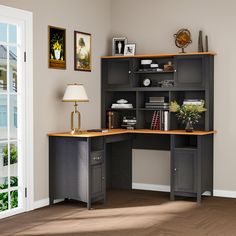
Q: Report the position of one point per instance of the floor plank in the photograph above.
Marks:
(129, 212)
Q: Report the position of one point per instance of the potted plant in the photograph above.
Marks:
(57, 45)
(189, 114)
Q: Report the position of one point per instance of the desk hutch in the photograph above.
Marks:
(83, 166)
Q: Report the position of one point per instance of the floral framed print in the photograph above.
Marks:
(56, 47)
(82, 51)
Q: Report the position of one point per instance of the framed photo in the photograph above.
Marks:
(56, 47)
(118, 46)
(82, 60)
(129, 49)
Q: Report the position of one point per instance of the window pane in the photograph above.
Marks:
(3, 32)
(12, 34)
(13, 165)
(13, 69)
(3, 201)
(3, 166)
(3, 68)
(14, 199)
(3, 117)
(13, 117)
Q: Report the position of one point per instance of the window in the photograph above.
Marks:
(3, 116)
(15, 117)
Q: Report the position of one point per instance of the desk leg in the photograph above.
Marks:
(89, 184)
(172, 172)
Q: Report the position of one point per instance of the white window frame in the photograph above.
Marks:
(13, 15)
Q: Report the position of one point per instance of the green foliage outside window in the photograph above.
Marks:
(13, 195)
(13, 154)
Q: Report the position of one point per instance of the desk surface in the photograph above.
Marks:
(86, 134)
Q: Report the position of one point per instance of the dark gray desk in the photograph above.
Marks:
(82, 166)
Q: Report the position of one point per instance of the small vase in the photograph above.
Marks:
(189, 126)
(57, 54)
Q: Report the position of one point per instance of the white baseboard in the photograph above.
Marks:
(41, 203)
(141, 186)
(58, 200)
(224, 193)
(151, 187)
(166, 188)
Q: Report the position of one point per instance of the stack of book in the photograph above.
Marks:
(129, 122)
(192, 102)
(160, 120)
(157, 103)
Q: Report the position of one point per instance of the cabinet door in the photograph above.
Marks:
(98, 180)
(118, 72)
(189, 71)
(185, 170)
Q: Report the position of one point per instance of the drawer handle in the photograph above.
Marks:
(97, 158)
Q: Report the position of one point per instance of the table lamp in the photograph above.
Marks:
(75, 93)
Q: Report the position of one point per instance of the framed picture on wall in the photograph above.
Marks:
(118, 46)
(82, 51)
(56, 47)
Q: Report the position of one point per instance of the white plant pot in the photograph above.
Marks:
(57, 54)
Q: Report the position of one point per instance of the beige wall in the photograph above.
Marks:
(50, 114)
(151, 25)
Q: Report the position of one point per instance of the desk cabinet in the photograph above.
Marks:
(77, 169)
(185, 170)
(97, 166)
(191, 165)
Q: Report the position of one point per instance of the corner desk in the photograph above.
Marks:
(84, 165)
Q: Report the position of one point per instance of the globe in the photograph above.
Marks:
(182, 39)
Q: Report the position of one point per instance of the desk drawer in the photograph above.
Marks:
(96, 157)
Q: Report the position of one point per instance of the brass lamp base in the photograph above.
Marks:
(75, 120)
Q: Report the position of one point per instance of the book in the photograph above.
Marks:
(156, 99)
(153, 119)
(192, 102)
(97, 130)
(166, 120)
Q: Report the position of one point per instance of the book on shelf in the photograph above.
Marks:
(192, 102)
(157, 99)
(160, 120)
(97, 130)
(157, 105)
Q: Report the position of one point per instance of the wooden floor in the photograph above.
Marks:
(129, 213)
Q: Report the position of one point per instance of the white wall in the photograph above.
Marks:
(151, 25)
(50, 114)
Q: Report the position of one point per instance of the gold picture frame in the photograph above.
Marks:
(56, 47)
(82, 51)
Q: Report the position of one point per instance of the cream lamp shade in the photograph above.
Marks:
(75, 93)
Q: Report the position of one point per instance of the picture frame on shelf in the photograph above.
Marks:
(118, 46)
(82, 51)
(56, 47)
(129, 49)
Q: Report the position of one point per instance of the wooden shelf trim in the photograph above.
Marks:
(162, 55)
(85, 134)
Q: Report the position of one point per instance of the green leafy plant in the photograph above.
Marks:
(13, 154)
(13, 194)
(187, 112)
